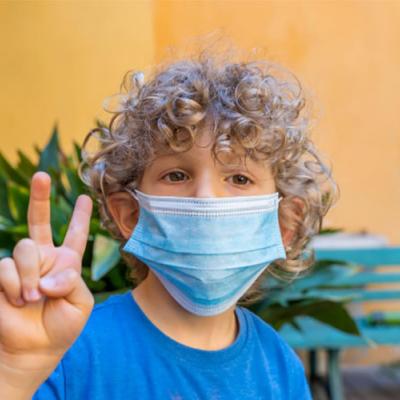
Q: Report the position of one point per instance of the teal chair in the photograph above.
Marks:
(316, 336)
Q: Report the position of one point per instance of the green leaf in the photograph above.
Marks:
(5, 211)
(5, 224)
(49, 157)
(37, 149)
(116, 278)
(328, 312)
(6, 240)
(76, 186)
(305, 286)
(334, 314)
(18, 202)
(105, 256)
(25, 165)
(95, 286)
(77, 150)
(11, 173)
(5, 253)
(328, 231)
(61, 212)
(100, 297)
(20, 230)
(295, 325)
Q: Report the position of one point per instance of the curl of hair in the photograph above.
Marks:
(245, 105)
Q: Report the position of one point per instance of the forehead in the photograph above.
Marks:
(201, 152)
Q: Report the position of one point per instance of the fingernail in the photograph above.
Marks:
(47, 282)
(31, 295)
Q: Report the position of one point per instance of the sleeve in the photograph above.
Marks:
(299, 388)
(53, 388)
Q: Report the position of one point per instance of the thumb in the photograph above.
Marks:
(68, 284)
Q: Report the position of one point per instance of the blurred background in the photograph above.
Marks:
(61, 59)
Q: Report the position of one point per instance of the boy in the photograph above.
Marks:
(204, 175)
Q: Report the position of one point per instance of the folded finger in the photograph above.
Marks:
(10, 282)
(27, 261)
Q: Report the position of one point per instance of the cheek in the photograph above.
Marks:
(150, 184)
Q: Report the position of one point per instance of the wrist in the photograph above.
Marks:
(20, 379)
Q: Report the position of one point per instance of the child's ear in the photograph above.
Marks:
(291, 214)
(124, 210)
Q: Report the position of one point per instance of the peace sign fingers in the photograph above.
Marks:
(78, 229)
(39, 209)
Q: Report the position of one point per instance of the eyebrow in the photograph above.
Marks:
(252, 170)
(170, 153)
(185, 156)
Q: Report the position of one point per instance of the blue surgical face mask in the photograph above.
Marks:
(207, 252)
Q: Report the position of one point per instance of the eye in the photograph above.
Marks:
(175, 176)
(241, 180)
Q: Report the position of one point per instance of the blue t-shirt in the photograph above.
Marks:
(121, 354)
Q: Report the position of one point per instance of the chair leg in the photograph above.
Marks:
(334, 375)
(313, 364)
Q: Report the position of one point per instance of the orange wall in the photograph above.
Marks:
(61, 59)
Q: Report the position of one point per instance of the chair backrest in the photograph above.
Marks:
(370, 260)
(373, 257)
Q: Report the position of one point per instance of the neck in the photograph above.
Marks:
(205, 333)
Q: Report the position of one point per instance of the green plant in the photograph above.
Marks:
(103, 270)
(309, 295)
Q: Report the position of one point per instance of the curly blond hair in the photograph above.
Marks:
(248, 105)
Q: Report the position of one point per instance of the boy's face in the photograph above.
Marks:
(193, 173)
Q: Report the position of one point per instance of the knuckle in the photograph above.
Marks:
(73, 273)
(22, 245)
(27, 264)
(70, 274)
(28, 278)
(90, 302)
(6, 260)
(28, 283)
(25, 242)
(10, 282)
(6, 264)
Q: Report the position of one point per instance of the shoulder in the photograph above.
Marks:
(277, 354)
(113, 307)
(266, 333)
(107, 313)
(103, 325)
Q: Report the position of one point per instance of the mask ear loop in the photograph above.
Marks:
(132, 192)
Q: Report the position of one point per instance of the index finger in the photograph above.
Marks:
(39, 209)
(78, 229)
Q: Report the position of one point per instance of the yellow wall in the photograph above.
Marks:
(60, 60)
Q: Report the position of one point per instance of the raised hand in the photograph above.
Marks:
(44, 302)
